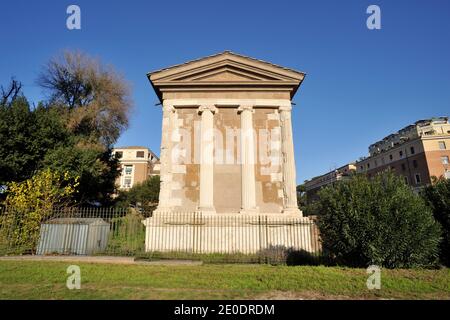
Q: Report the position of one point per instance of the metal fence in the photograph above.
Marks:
(114, 231)
(85, 231)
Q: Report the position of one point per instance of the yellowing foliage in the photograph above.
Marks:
(30, 202)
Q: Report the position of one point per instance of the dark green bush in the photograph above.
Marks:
(127, 234)
(377, 221)
(438, 198)
(143, 196)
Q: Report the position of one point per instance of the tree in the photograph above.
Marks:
(144, 195)
(96, 98)
(95, 103)
(9, 95)
(96, 168)
(74, 131)
(378, 221)
(27, 135)
(30, 202)
(16, 154)
(438, 198)
(301, 196)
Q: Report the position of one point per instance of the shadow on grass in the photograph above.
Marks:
(273, 255)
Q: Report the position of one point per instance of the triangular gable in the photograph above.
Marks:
(224, 69)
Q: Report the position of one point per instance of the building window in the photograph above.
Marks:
(391, 157)
(119, 154)
(400, 153)
(368, 165)
(417, 178)
(403, 167)
(412, 150)
(127, 183)
(376, 163)
(444, 159)
(447, 174)
(361, 167)
(415, 163)
(140, 154)
(128, 170)
(406, 179)
(442, 145)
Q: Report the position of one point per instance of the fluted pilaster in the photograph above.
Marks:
(206, 201)
(165, 194)
(288, 164)
(248, 201)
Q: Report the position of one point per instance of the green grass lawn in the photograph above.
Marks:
(47, 280)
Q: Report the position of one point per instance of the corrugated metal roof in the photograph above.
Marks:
(76, 221)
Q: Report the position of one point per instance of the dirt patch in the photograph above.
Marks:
(306, 295)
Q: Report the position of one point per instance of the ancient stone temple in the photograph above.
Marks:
(227, 148)
(227, 136)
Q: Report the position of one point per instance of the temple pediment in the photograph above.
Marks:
(225, 71)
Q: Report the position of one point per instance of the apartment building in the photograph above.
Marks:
(313, 185)
(137, 164)
(417, 152)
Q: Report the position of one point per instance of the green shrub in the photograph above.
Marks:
(377, 221)
(143, 195)
(30, 202)
(438, 198)
(127, 235)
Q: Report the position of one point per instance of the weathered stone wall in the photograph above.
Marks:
(185, 154)
(227, 169)
(269, 191)
(187, 180)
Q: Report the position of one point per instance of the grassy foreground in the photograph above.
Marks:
(47, 280)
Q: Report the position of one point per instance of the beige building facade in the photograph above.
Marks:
(137, 164)
(227, 145)
(313, 185)
(417, 152)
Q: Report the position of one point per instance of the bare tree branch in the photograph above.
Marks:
(11, 93)
(96, 96)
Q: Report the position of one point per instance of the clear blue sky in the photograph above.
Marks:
(361, 84)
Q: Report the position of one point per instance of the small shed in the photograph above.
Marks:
(80, 236)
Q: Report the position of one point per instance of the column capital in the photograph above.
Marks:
(207, 107)
(168, 107)
(243, 108)
(285, 108)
